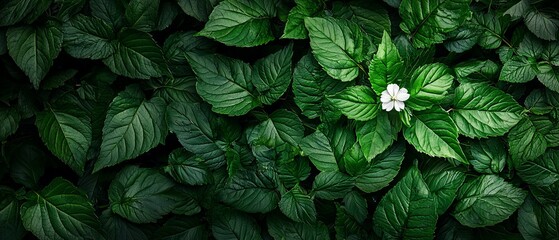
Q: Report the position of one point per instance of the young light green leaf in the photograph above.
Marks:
(142, 14)
(13, 11)
(252, 191)
(338, 45)
(518, 70)
(428, 86)
(192, 123)
(117, 227)
(136, 56)
(187, 168)
(310, 86)
(542, 171)
(525, 143)
(282, 126)
(381, 170)
(199, 9)
(66, 130)
(318, 148)
(375, 135)
(542, 24)
(133, 126)
(34, 49)
(487, 200)
(272, 75)
(241, 23)
(225, 83)
(295, 25)
(331, 185)
(229, 224)
(488, 156)
(138, 194)
(407, 211)
(427, 21)
(298, 206)
(433, 132)
(88, 37)
(357, 102)
(482, 111)
(386, 66)
(60, 211)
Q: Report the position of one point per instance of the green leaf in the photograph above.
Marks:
(181, 227)
(487, 200)
(346, 226)
(199, 9)
(234, 225)
(60, 211)
(13, 11)
(27, 164)
(66, 130)
(550, 79)
(381, 170)
(133, 126)
(9, 122)
(463, 39)
(530, 47)
(376, 135)
(518, 70)
(117, 227)
(433, 132)
(310, 86)
(476, 71)
(187, 169)
(443, 181)
(295, 25)
(427, 21)
(551, 53)
(136, 56)
(529, 219)
(38, 9)
(282, 126)
(536, 102)
(281, 227)
(68, 8)
(373, 20)
(272, 75)
(34, 49)
(241, 23)
(428, 86)
(542, 24)
(10, 220)
(542, 171)
(331, 185)
(225, 83)
(168, 12)
(338, 45)
(192, 124)
(109, 11)
(181, 89)
(252, 191)
(88, 37)
(407, 211)
(298, 206)
(518, 10)
(142, 14)
(488, 156)
(492, 29)
(386, 66)
(320, 151)
(482, 111)
(138, 194)
(357, 102)
(357, 204)
(525, 143)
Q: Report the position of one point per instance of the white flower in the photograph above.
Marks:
(393, 98)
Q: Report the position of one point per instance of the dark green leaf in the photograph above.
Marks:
(282, 126)
(187, 169)
(488, 156)
(487, 200)
(241, 23)
(178, 228)
(331, 185)
(109, 11)
(381, 170)
(295, 25)
(252, 191)
(320, 151)
(282, 228)
(88, 37)
(137, 194)
(518, 70)
(142, 14)
(13, 11)
(525, 143)
(298, 206)
(492, 29)
(10, 220)
(407, 211)
(357, 205)
(117, 227)
(9, 122)
(542, 171)
(550, 79)
(376, 135)
(34, 49)
(542, 24)
(443, 181)
(133, 126)
(272, 75)
(181, 89)
(60, 211)
(233, 225)
(199, 9)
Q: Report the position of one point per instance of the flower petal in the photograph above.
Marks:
(384, 97)
(392, 89)
(403, 95)
(399, 105)
(388, 106)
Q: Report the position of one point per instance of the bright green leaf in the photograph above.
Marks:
(386, 66)
(357, 102)
(525, 143)
(295, 25)
(375, 135)
(281, 126)
(381, 170)
(518, 70)
(428, 86)
(488, 156)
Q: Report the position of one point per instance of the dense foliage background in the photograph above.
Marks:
(251, 119)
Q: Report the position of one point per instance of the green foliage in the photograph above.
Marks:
(279, 119)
